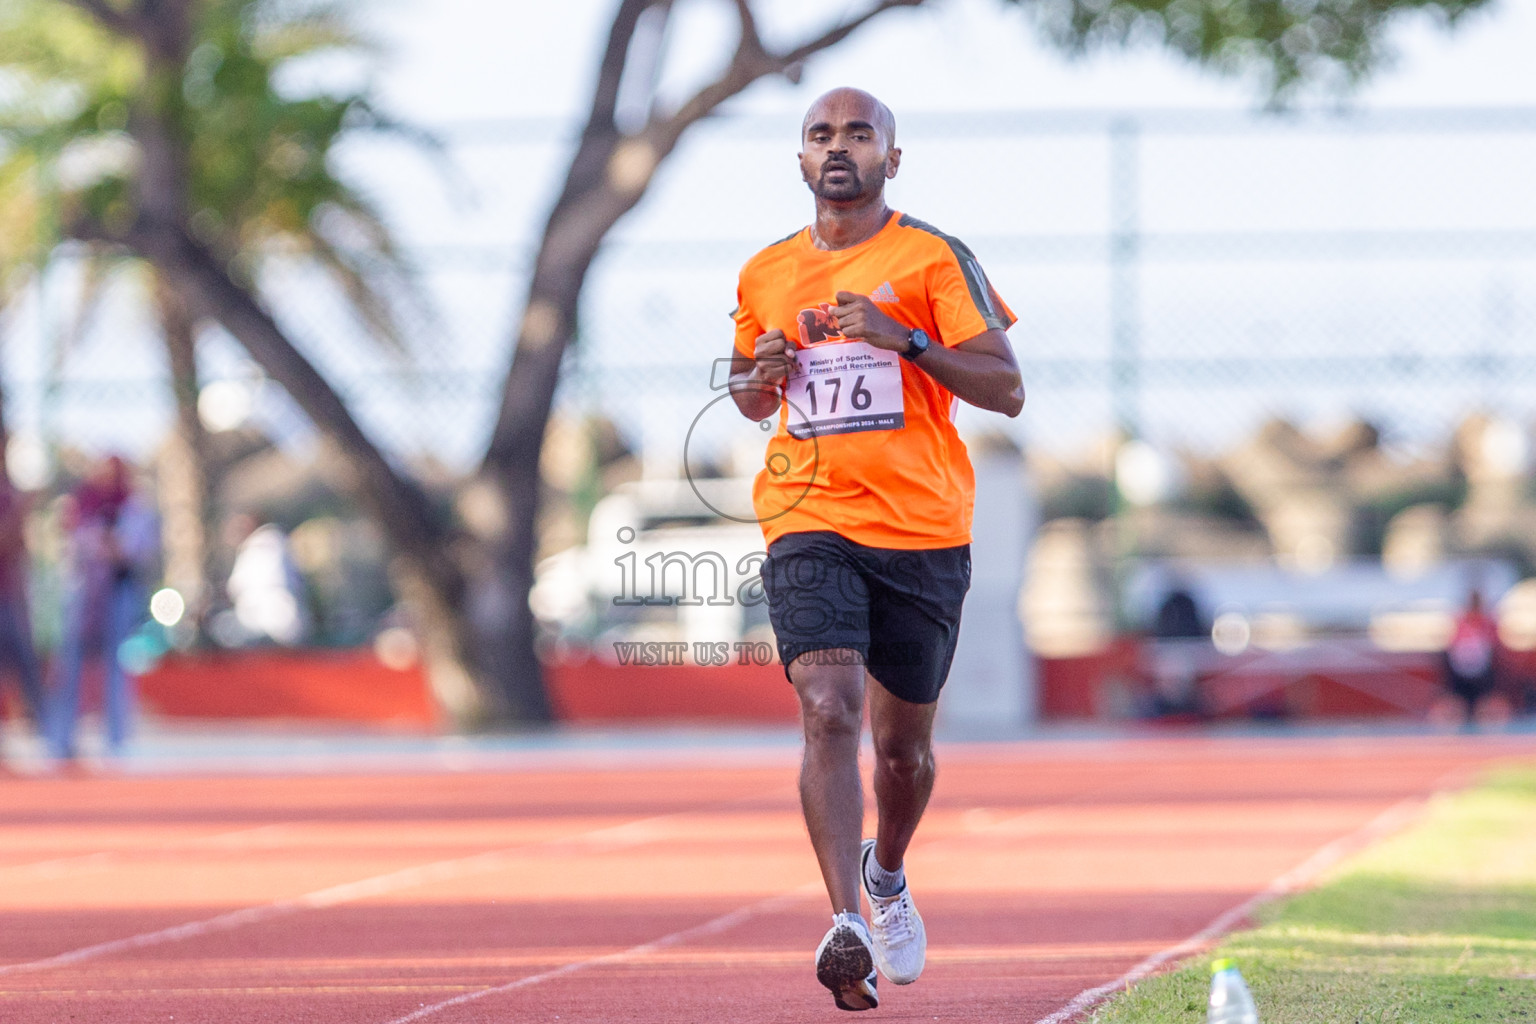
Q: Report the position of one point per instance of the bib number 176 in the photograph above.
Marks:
(844, 388)
(859, 397)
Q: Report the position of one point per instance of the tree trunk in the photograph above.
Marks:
(512, 468)
(512, 461)
(186, 481)
(589, 205)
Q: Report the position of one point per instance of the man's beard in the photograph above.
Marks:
(851, 187)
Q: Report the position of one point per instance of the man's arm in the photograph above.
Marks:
(756, 384)
(981, 370)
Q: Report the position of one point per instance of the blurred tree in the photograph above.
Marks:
(1286, 44)
(256, 180)
(196, 129)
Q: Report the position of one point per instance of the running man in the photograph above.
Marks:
(861, 332)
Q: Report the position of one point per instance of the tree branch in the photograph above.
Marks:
(610, 72)
(750, 48)
(753, 61)
(838, 33)
(201, 278)
(601, 132)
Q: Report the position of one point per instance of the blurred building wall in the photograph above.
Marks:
(991, 687)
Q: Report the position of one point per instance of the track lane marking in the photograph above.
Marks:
(128, 977)
(1391, 820)
(254, 990)
(627, 834)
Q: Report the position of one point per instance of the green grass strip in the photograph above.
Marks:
(1434, 926)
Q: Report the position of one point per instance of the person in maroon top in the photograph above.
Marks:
(114, 540)
(1471, 658)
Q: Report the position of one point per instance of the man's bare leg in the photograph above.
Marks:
(904, 770)
(830, 685)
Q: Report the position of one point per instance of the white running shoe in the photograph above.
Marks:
(845, 963)
(901, 942)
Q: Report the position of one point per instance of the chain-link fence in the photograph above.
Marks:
(1186, 277)
(1181, 276)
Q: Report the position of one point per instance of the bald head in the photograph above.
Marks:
(845, 105)
(847, 149)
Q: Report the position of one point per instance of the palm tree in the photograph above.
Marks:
(240, 167)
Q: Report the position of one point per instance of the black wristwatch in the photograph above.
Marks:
(917, 344)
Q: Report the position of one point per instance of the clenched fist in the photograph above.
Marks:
(859, 318)
(775, 357)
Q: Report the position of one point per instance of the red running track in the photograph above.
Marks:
(643, 890)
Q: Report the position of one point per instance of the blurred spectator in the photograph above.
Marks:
(1180, 648)
(114, 542)
(266, 591)
(15, 618)
(1179, 617)
(1471, 656)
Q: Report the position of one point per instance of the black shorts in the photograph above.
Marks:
(900, 610)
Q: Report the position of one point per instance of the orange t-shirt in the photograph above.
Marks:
(866, 445)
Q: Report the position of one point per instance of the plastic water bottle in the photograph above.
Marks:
(1231, 1002)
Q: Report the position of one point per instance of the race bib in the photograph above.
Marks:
(843, 388)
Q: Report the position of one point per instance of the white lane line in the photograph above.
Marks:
(632, 833)
(1394, 818)
(58, 867)
(711, 927)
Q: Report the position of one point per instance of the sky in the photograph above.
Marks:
(456, 59)
(462, 63)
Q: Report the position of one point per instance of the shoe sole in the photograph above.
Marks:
(845, 966)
